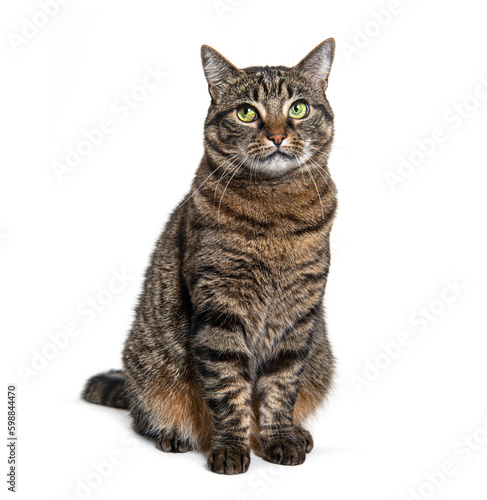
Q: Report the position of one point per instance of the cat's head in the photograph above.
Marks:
(269, 120)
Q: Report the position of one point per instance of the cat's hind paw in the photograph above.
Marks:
(171, 441)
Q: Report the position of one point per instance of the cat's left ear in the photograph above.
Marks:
(218, 70)
(317, 64)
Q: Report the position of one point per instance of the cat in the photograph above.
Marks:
(228, 350)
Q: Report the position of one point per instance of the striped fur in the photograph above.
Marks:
(107, 389)
(228, 350)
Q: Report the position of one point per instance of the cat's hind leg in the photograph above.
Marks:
(174, 417)
(173, 441)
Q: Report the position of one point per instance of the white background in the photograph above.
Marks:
(396, 244)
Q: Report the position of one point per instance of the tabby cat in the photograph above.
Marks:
(228, 350)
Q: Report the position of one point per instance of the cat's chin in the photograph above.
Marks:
(274, 166)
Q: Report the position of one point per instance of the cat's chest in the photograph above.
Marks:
(266, 279)
(289, 278)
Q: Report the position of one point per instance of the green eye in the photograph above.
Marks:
(247, 113)
(298, 110)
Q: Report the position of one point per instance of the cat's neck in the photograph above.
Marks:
(305, 196)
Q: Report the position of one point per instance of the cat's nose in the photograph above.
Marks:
(277, 138)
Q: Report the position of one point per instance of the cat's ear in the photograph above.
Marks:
(317, 64)
(218, 70)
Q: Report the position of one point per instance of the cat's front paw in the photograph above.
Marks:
(306, 437)
(229, 460)
(285, 450)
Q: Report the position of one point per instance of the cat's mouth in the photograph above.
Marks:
(275, 163)
(277, 154)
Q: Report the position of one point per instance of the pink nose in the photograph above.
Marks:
(277, 138)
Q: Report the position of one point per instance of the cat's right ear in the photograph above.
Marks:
(218, 70)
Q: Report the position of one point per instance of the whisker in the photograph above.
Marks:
(253, 168)
(317, 151)
(309, 157)
(201, 185)
(321, 170)
(300, 167)
(318, 191)
(228, 183)
(227, 170)
(316, 186)
(338, 147)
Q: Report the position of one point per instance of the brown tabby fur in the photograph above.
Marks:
(228, 349)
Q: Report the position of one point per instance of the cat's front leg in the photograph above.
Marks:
(222, 359)
(279, 378)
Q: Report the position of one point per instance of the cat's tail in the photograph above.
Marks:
(107, 389)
